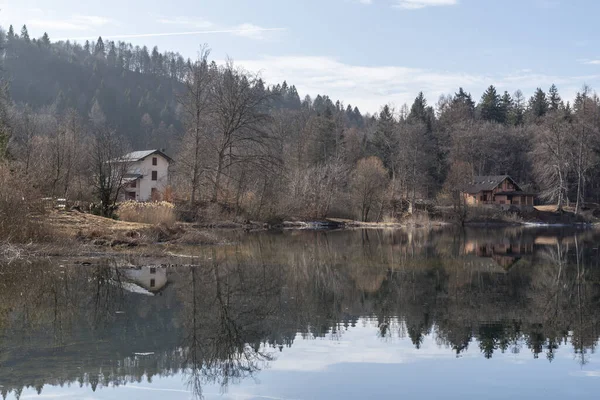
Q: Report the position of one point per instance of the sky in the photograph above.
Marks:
(366, 53)
(359, 364)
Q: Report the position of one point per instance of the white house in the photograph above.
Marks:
(151, 278)
(147, 175)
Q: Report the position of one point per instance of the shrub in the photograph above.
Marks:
(147, 213)
(21, 215)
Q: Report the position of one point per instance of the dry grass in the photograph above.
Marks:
(147, 213)
(547, 208)
(71, 224)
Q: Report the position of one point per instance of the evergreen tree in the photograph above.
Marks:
(420, 112)
(45, 40)
(516, 116)
(538, 104)
(25, 34)
(554, 98)
(358, 117)
(490, 108)
(11, 33)
(385, 140)
(506, 105)
(464, 100)
(99, 48)
(326, 140)
(568, 112)
(111, 57)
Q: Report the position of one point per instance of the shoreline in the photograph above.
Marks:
(77, 235)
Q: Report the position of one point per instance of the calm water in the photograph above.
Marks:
(313, 315)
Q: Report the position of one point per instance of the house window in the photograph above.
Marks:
(154, 175)
(152, 282)
(153, 270)
(154, 161)
(131, 195)
(133, 184)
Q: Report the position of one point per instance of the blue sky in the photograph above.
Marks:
(363, 52)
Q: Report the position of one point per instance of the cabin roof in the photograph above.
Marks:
(140, 155)
(487, 183)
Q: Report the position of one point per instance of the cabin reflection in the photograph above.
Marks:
(151, 278)
(505, 252)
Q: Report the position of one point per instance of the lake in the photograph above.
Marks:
(475, 313)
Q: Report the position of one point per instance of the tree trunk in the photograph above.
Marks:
(218, 177)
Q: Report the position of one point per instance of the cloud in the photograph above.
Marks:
(370, 87)
(418, 4)
(72, 23)
(240, 31)
(366, 2)
(590, 62)
(252, 31)
(185, 21)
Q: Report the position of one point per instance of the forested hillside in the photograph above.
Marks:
(262, 150)
(136, 88)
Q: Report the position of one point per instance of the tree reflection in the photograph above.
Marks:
(225, 309)
(223, 320)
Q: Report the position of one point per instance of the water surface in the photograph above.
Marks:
(313, 315)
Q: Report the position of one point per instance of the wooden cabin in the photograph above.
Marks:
(500, 190)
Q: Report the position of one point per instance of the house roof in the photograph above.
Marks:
(486, 183)
(131, 177)
(140, 155)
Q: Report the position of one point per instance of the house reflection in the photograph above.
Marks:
(150, 278)
(505, 252)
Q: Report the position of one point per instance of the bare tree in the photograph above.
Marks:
(415, 157)
(368, 182)
(109, 167)
(459, 175)
(585, 133)
(195, 103)
(239, 117)
(551, 159)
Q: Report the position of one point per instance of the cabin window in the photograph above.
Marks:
(152, 282)
(154, 161)
(153, 270)
(154, 175)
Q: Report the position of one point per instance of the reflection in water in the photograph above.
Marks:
(227, 318)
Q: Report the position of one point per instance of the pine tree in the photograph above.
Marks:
(516, 116)
(25, 34)
(490, 108)
(11, 33)
(464, 99)
(506, 105)
(385, 141)
(538, 104)
(568, 112)
(45, 40)
(418, 109)
(420, 112)
(554, 98)
(111, 57)
(99, 49)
